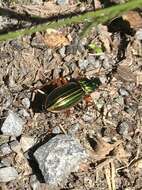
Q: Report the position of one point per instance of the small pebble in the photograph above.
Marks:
(123, 92)
(91, 59)
(83, 63)
(62, 51)
(103, 79)
(15, 146)
(12, 125)
(120, 100)
(26, 142)
(35, 184)
(26, 102)
(74, 129)
(123, 128)
(107, 65)
(56, 130)
(5, 149)
(58, 158)
(8, 174)
(139, 34)
(88, 116)
(62, 2)
(24, 113)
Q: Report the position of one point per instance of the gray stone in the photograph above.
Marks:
(123, 128)
(5, 149)
(83, 63)
(88, 116)
(62, 2)
(62, 51)
(13, 125)
(8, 174)
(58, 158)
(56, 130)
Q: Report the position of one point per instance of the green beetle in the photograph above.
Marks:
(70, 94)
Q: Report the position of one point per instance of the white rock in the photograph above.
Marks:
(26, 102)
(26, 142)
(139, 34)
(8, 174)
(13, 125)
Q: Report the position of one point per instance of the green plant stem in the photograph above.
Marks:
(100, 16)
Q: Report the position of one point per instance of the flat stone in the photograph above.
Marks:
(26, 142)
(8, 174)
(58, 158)
(13, 125)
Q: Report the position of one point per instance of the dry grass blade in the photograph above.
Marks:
(110, 175)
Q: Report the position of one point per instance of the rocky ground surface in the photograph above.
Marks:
(96, 145)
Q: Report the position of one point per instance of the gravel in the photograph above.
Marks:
(12, 125)
(58, 158)
(8, 174)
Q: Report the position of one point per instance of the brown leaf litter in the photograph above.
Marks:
(54, 39)
(133, 18)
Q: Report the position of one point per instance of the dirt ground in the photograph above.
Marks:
(109, 126)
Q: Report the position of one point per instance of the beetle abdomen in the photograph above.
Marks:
(64, 97)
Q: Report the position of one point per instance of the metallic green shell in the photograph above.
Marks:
(70, 94)
(64, 97)
(89, 85)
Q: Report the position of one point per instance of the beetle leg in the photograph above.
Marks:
(88, 100)
(60, 81)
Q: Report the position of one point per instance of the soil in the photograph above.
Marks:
(109, 127)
